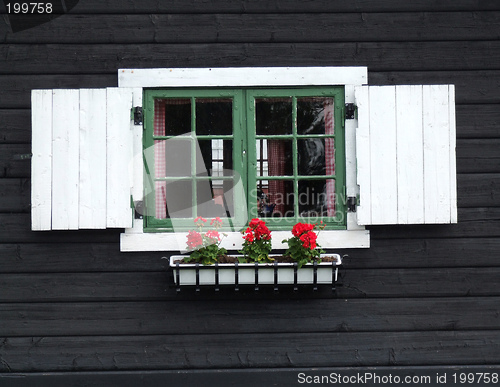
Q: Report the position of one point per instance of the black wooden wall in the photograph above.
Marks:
(420, 296)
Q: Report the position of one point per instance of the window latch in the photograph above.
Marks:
(350, 111)
(138, 115)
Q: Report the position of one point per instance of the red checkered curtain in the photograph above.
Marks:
(276, 167)
(329, 155)
(160, 164)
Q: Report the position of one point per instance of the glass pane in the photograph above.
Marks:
(217, 158)
(275, 198)
(278, 155)
(273, 116)
(312, 156)
(315, 115)
(214, 116)
(316, 198)
(214, 198)
(178, 196)
(176, 160)
(172, 117)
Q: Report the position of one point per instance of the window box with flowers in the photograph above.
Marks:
(209, 264)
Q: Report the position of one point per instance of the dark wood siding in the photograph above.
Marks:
(420, 296)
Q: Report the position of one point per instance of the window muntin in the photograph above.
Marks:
(284, 136)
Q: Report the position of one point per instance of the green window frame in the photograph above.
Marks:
(245, 153)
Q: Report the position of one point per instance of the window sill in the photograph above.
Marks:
(331, 239)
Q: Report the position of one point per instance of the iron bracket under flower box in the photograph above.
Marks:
(236, 274)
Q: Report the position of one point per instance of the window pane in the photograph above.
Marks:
(214, 198)
(315, 115)
(178, 195)
(311, 156)
(273, 116)
(217, 158)
(278, 154)
(316, 198)
(172, 117)
(173, 157)
(275, 198)
(214, 116)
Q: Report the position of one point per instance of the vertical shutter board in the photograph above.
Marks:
(65, 159)
(453, 159)
(41, 162)
(383, 154)
(119, 147)
(410, 171)
(437, 171)
(92, 187)
(363, 155)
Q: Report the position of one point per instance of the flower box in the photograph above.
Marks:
(255, 274)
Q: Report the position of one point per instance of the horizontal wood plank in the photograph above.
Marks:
(210, 317)
(477, 190)
(16, 125)
(261, 28)
(282, 6)
(277, 377)
(383, 253)
(471, 87)
(30, 354)
(102, 58)
(355, 283)
(15, 195)
(16, 228)
(15, 91)
(478, 156)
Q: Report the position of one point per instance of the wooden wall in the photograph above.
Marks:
(421, 296)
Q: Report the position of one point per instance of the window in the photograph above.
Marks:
(244, 153)
(245, 142)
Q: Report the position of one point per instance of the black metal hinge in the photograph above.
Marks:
(350, 111)
(352, 202)
(138, 115)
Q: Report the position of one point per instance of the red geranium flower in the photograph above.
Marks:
(194, 240)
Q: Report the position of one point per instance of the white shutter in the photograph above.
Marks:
(82, 146)
(405, 151)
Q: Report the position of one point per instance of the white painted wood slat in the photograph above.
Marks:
(41, 162)
(65, 159)
(437, 185)
(119, 145)
(383, 154)
(364, 210)
(410, 154)
(409, 174)
(92, 176)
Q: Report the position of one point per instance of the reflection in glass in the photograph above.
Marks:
(311, 157)
(214, 198)
(214, 116)
(275, 198)
(316, 198)
(172, 116)
(217, 157)
(273, 116)
(315, 115)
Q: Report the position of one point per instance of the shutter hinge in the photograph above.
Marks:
(137, 115)
(352, 203)
(350, 111)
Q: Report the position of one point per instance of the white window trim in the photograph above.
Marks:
(355, 236)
